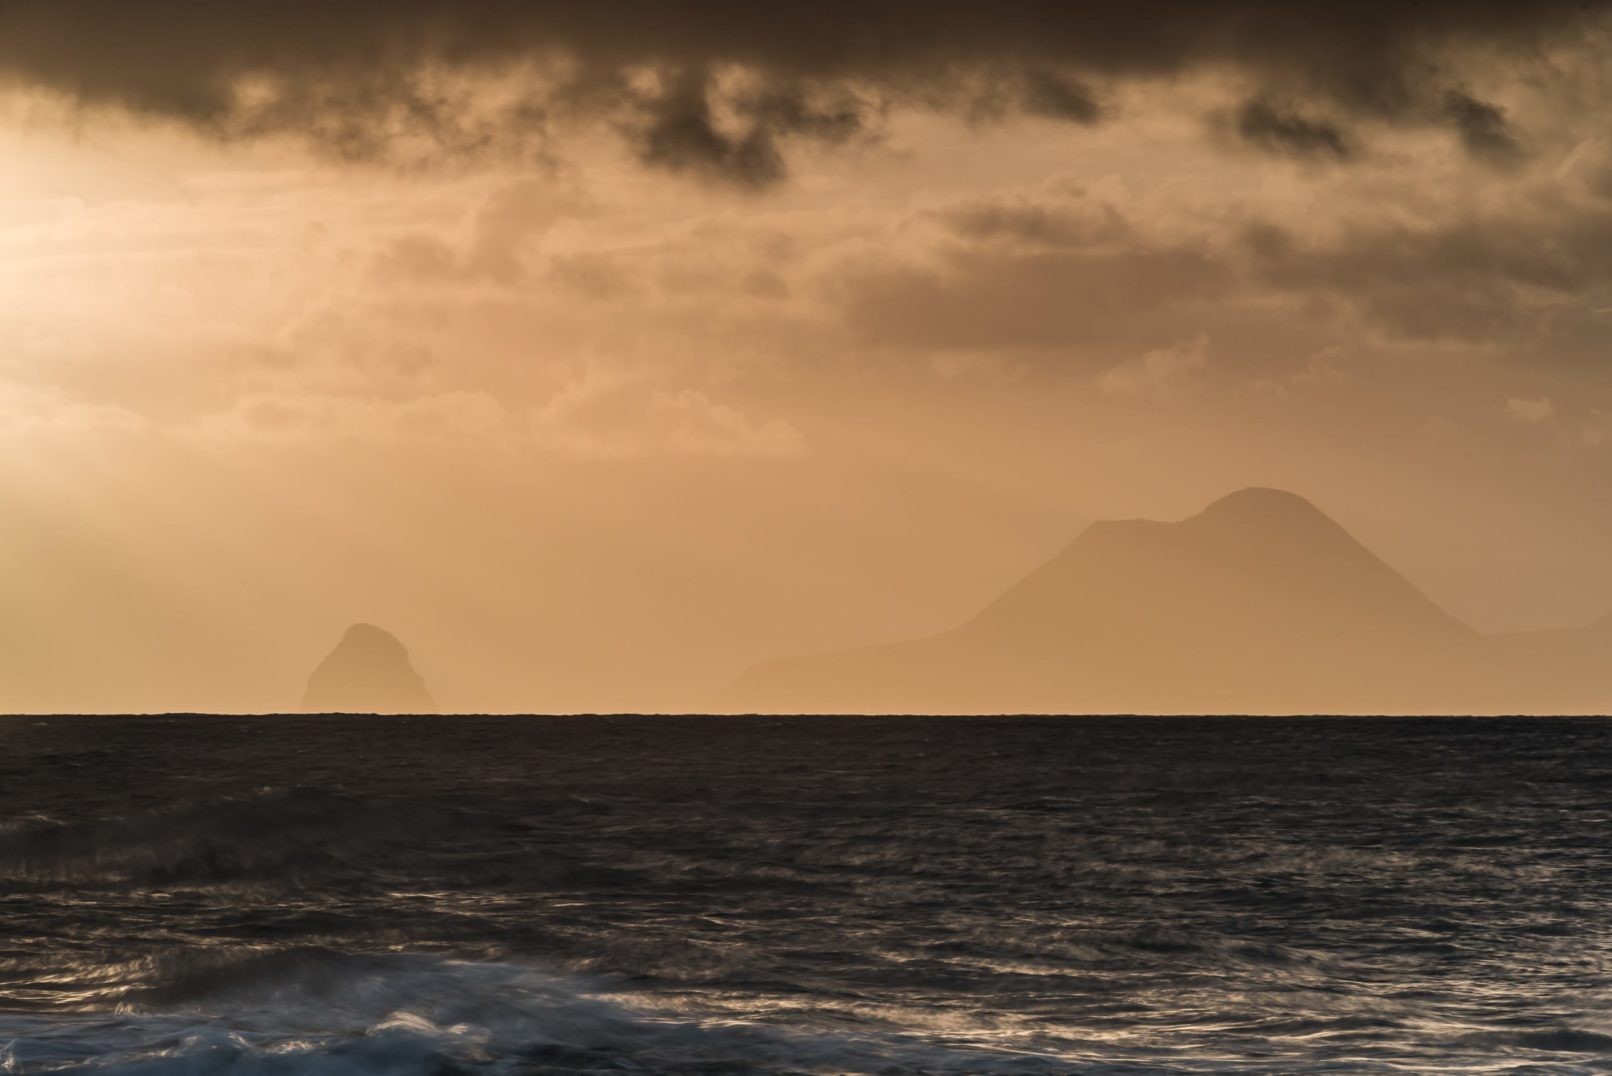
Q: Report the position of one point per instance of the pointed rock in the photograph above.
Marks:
(368, 673)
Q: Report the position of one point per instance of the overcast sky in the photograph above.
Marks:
(600, 349)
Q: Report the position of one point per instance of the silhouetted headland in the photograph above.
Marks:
(1259, 604)
(369, 672)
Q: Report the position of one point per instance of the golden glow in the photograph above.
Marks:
(591, 437)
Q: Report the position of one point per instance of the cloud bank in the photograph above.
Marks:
(719, 89)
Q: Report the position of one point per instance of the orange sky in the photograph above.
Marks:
(595, 420)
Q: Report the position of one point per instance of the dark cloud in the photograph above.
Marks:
(363, 75)
(1045, 93)
(683, 133)
(1262, 124)
(1482, 127)
(1531, 278)
(1059, 272)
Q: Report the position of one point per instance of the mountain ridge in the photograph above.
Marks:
(1259, 603)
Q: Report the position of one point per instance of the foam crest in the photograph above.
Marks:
(320, 1012)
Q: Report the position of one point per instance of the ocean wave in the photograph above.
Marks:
(272, 833)
(462, 897)
(320, 1012)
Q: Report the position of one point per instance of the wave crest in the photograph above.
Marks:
(319, 1012)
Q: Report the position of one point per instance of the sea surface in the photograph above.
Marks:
(345, 896)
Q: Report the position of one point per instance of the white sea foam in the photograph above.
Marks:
(404, 1014)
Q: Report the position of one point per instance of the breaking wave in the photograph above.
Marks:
(313, 1011)
(212, 897)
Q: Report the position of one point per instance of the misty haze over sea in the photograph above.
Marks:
(400, 896)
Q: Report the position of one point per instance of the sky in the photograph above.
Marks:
(600, 350)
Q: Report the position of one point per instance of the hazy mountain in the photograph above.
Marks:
(1259, 604)
(369, 672)
(1559, 670)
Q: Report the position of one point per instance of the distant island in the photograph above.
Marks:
(1259, 604)
(368, 672)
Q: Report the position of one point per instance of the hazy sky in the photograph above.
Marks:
(601, 349)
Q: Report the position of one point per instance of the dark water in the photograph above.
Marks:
(714, 896)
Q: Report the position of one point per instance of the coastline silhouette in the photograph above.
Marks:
(1261, 603)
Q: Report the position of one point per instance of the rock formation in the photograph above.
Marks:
(367, 673)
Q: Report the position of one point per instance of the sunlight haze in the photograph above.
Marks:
(595, 412)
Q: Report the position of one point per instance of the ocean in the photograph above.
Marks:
(347, 896)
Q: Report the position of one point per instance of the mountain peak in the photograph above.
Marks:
(1260, 603)
(369, 635)
(1265, 505)
(1272, 518)
(368, 672)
